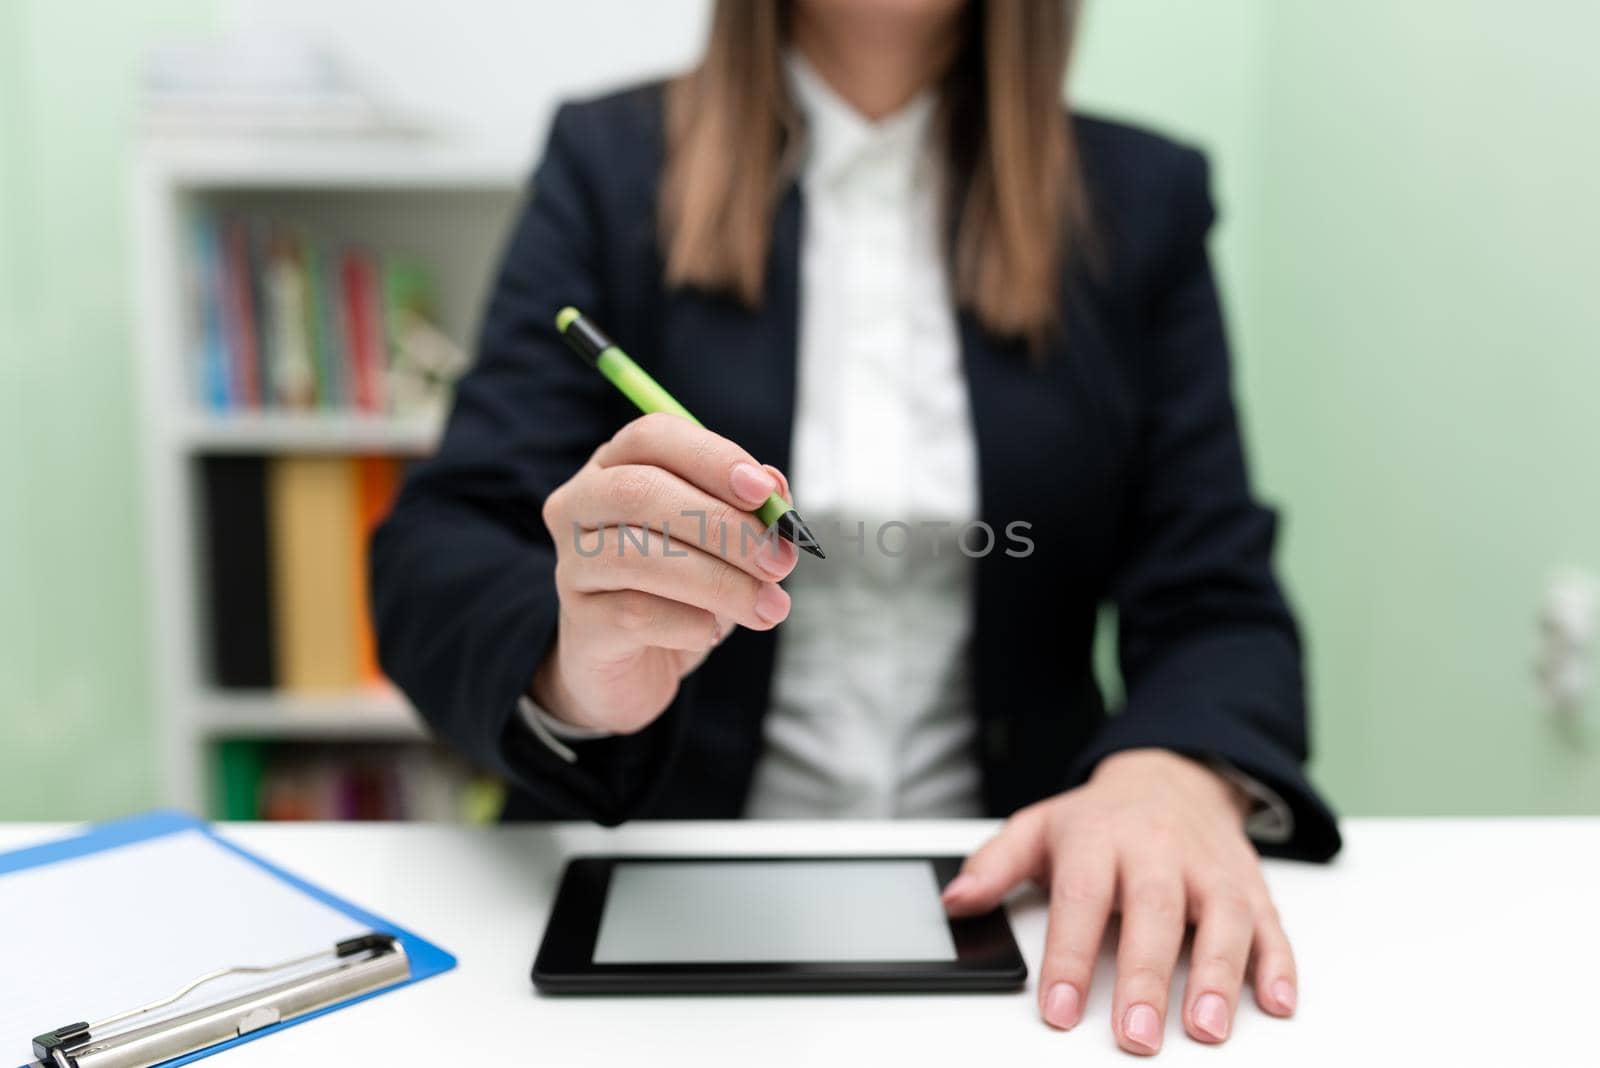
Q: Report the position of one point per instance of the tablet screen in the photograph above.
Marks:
(683, 912)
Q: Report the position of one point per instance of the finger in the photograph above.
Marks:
(694, 453)
(1276, 980)
(655, 498)
(1011, 856)
(632, 558)
(633, 619)
(1083, 882)
(1216, 964)
(1153, 921)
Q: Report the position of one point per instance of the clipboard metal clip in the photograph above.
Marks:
(143, 1036)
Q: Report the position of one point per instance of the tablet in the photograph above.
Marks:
(651, 925)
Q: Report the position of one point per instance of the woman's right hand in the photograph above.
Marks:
(635, 621)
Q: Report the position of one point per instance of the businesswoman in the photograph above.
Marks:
(866, 245)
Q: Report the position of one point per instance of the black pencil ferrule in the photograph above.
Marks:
(586, 339)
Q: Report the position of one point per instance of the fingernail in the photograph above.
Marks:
(1284, 994)
(1061, 1006)
(752, 484)
(961, 884)
(1211, 1016)
(777, 557)
(772, 604)
(1142, 1027)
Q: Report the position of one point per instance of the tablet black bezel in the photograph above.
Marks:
(987, 958)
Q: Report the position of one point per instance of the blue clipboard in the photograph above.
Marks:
(426, 959)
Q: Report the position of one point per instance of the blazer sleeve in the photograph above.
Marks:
(1209, 650)
(463, 570)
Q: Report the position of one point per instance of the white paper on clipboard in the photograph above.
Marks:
(92, 936)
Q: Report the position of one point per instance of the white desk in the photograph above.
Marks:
(1462, 942)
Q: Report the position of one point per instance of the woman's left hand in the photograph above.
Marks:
(1160, 838)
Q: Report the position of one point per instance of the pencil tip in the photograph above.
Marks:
(792, 528)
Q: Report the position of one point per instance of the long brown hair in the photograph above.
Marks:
(1017, 204)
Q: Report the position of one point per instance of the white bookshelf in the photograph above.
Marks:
(375, 716)
(267, 433)
(425, 198)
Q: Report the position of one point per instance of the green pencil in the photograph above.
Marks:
(590, 342)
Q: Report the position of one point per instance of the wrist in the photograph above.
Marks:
(550, 692)
(1173, 766)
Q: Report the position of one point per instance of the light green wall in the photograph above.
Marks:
(1407, 251)
(76, 729)
(1428, 381)
(1410, 219)
(1136, 60)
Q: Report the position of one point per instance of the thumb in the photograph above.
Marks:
(1010, 857)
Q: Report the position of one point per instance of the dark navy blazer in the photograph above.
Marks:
(1121, 448)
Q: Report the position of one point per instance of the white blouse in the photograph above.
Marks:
(872, 710)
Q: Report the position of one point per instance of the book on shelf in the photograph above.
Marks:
(241, 347)
(209, 295)
(312, 508)
(377, 484)
(286, 307)
(285, 322)
(294, 781)
(285, 569)
(237, 572)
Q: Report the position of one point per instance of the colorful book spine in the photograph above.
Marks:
(239, 319)
(324, 329)
(286, 558)
(296, 782)
(378, 479)
(356, 343)
(238, 585)
(285, 322)
(209, 294)
(256, 239)
(240, 768)
(312, 507)
(293, 375)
